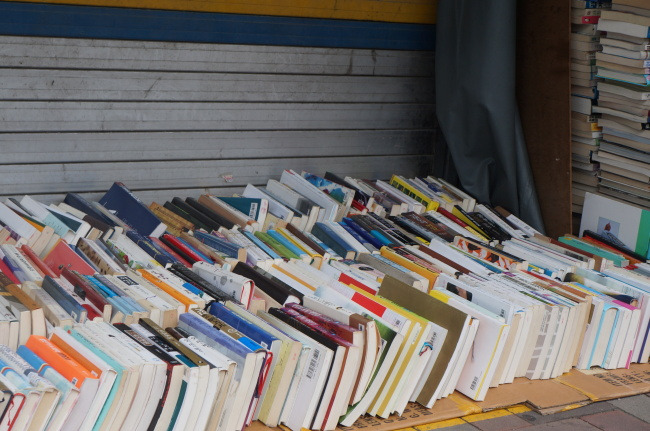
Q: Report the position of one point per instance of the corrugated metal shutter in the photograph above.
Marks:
(78, 114)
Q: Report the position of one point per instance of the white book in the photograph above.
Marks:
(128, 383)
(139, 385)
(240, 287)
(334, 211)
(158, 380)
(17, 257)
(105, 380)
(79, 227)
(17, 224)
(50, 395)
(46, 217)
(276, 208)
(412, 204)
(310, 384)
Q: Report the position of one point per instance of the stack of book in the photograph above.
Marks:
(585, 132)
(624, 102)
(309, 302)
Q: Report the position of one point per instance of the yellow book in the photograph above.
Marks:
(407, 355)
(409, 264)
(293, 276)
(406, 188)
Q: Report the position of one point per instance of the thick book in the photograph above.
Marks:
(129, 208)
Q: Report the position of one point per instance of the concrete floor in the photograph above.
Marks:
(625, 414)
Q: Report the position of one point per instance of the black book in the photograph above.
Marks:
(493, 229)
(178, 211)
(204, 219)
(277, 290)
(75, 200)
(209, 213)
(610, 242)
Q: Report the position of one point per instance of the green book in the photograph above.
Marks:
(616, 258)
(276, 246)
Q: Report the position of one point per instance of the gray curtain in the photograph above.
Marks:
(476, 105)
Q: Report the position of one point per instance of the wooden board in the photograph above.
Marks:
(543, 93)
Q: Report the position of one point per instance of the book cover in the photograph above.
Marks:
(129, 208)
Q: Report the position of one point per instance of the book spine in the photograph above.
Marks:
(64, 299)
(329, 237)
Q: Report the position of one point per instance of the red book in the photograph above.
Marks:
(165, 247)
(182, 249)
(6, 271)
(38, 262)
(62, 256)
(333, 326)
(452, 217)
(346, 279)
(81, 284)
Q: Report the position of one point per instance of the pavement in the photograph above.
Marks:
(624, 414)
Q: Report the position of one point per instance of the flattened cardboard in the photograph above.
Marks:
(569, 391)
(599, 384)
(544, 396)
(414, 414)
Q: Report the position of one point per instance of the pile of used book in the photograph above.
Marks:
(624, 102)
(309, 302)
(585, 131)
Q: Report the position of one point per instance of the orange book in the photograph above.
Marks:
(59, 360)
(37, 226)
(75, 355)
(62, 256)
(167, 289)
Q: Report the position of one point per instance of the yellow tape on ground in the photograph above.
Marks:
(440, 425)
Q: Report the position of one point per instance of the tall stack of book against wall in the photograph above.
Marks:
(585, 132)
(624, 102)
(308, 302)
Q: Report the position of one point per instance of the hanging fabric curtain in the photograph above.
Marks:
(476, 104)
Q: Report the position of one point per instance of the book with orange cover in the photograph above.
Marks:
(62, 256)
(67, 366)
(171, 291)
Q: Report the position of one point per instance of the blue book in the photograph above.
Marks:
(113, 298)
(358, 237)
(64, 299)
(247, 328)
(363, 233)
(132, 211)
(191, 247)
(217, 243)
(248, 206)
(333, 240)
(77, 201)
(258, 242)
(200, 326)
(160, 255)
(107, 283)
